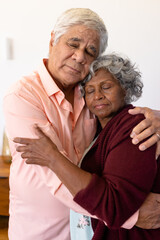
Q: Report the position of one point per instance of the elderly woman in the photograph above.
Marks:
(115, 176)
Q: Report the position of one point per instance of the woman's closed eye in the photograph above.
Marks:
(89, 90)
(106, 86)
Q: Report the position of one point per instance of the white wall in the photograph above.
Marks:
(133, 26)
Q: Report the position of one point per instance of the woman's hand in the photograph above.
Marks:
(39, 151)
(149, 127)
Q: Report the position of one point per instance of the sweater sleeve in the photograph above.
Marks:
(126, 180)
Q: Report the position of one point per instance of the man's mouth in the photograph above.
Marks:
(74, 69)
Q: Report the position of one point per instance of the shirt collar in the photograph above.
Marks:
(48, 82)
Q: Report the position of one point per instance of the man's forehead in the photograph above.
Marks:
(80, 32)
(91, 41)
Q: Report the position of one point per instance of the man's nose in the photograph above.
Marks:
(79, 56)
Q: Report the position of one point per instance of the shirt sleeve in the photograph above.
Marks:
(21, 113)
(126, 180)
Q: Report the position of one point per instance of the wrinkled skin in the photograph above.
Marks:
(149, 214)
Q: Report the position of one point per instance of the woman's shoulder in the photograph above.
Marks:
(126, 119)
(121, 125)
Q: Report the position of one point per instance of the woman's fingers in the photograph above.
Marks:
(37, 161)
(23, 140)
(23, 148)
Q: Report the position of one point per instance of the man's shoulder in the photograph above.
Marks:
(25, 85)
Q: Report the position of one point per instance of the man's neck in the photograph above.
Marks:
(69, 95)
(67, 90)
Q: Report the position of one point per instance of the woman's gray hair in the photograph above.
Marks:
(123, 70)
(81, 16)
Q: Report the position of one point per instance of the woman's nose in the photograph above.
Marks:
(98, 94)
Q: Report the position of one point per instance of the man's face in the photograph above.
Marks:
(71, 56)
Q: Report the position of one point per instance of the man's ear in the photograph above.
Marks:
(52, 39)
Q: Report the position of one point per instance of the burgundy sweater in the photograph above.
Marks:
(122, 177)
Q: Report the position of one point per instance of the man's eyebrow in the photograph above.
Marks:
(74, 39)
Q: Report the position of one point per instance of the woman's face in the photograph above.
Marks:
(104, 96)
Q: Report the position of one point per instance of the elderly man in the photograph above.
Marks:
(51, 98)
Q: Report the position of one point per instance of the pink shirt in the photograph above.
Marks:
(36, 194)
(35, 212)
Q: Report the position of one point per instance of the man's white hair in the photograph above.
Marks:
(81, 16)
